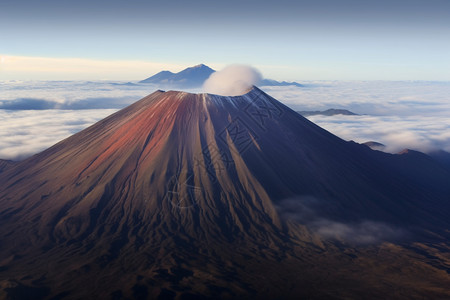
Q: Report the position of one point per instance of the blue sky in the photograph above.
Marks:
(288, 40)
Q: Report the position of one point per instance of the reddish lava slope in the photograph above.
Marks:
(196, 195)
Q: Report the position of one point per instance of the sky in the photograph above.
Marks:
(63, 64)
(285, 40)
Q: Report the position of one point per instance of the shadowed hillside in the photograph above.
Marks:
(197, 195)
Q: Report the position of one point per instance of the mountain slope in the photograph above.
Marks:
(5, 164)
(198, 194)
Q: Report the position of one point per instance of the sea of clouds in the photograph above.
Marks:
(309, 211)
(400, 114)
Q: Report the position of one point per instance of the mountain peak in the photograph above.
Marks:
(201, 66)
(192, 77)
(184, 193)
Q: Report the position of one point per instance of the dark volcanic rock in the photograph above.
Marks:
(185, 195)
(442, 157)
(6, 164)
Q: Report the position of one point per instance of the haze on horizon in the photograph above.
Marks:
(287, 40)
(184, 194)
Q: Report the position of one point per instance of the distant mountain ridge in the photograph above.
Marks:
(188, 78)
(195, 76)
(271, 82)
(328, 112)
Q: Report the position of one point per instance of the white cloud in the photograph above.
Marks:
(64, 91)
(423, 133)
(310, 211)
(366, 232)
(401, 115)
(233, 80)
(24, 133)
(395, 98)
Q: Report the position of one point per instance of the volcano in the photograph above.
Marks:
(191, 196)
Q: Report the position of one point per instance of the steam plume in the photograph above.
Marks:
(233, 80)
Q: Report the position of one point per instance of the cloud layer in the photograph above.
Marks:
(310, 211)
(27, 132)
(379, 98)
(413, 115)
(22, 95)
(422, 133)
(233, 80)
(409, 114)
(361, 233)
